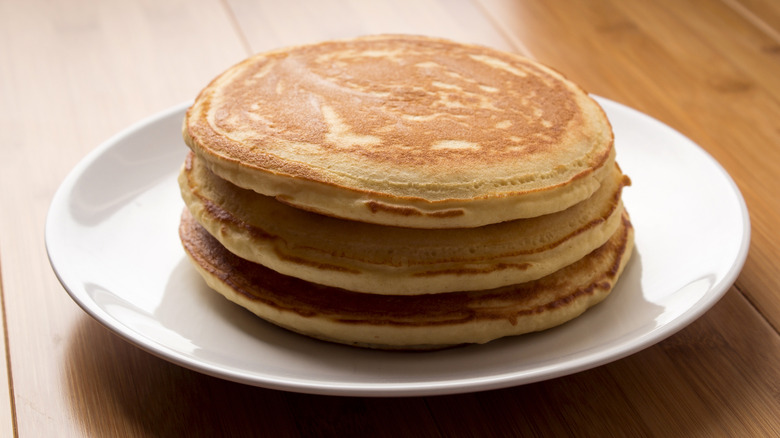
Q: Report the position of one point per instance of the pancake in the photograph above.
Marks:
(398, 261)
(408, 322)
(403, 131)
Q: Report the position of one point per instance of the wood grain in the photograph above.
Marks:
(74, 73)
(6, 406)
(267, 25)
(764, 15)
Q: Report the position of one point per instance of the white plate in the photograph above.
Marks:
(111, 234)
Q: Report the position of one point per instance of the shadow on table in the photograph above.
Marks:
(117, 389)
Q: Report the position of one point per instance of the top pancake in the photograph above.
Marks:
(403, 130)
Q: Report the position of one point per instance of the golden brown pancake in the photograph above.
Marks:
(409, 322)
(403, 130)
(379, 259)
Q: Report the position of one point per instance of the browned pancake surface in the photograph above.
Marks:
(401, 103)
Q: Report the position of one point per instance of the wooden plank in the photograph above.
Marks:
(763, 14)
(318, 415)
(116, 389)
(705, 388)
(268, 25)
(7, 425)
(72, 75)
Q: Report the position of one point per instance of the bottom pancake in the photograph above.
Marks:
(418, 322)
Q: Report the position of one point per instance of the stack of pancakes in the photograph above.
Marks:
(403, 192)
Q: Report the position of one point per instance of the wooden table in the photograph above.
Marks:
(74, 73)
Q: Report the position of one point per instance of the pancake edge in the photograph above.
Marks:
(435, 336)
(272, 252)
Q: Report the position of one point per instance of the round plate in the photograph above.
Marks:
(111, 234)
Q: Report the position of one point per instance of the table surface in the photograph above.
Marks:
(74, 73)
